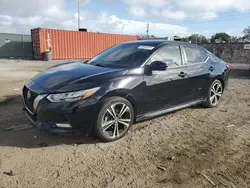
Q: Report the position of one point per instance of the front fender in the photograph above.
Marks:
(125, 93)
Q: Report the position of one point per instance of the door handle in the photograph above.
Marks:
(211, 68)
(182, 74)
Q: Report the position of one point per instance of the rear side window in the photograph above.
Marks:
(195, 55)
(214, 57)
(169, 54)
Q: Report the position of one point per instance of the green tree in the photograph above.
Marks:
(221, 37)
(185, 39)
(247, 33)
(235, 39)
(199, 39)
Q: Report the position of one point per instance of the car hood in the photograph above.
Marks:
(68, 76)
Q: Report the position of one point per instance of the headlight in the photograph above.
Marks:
(72, 96)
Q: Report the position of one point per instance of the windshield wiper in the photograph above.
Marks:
(100, 65)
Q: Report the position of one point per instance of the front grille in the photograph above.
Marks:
(29, 97)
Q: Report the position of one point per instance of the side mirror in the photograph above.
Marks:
(158, 65)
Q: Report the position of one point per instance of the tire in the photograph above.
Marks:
(116, 112)
(214, 94)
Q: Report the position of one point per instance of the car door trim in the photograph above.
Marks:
(167, 110)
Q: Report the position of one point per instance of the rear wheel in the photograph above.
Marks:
(114, 119)
(214, 94)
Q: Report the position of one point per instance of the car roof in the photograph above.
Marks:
(155, 43)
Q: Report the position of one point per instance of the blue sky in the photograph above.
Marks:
(228, 20)
(166, 17)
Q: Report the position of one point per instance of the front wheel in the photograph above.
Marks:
(114, 119)
(214, 94)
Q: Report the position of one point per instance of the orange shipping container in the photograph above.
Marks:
(73, 44)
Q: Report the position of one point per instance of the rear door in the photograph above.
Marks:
(197, 71)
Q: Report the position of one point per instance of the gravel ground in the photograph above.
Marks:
(194, 147)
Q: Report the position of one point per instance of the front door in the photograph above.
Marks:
(166, 88)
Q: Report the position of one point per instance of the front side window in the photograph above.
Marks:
(169, 54)
(195, 55)
(126, 55)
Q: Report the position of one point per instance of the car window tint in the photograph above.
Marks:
(213, 57)
(195, 55)
(169, 54)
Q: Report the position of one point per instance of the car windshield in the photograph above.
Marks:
(123, 56)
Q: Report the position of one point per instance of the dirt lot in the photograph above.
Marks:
(195, 146)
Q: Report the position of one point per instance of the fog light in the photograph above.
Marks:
(62, 125)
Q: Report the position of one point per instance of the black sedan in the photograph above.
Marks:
(127, 83)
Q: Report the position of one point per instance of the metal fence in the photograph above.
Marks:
(15, 46)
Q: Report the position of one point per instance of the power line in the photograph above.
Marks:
(207, 21)
(196, 19)
(219, 15)
(216, 20)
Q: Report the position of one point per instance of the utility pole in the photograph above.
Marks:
(147, 31)
(78, 14)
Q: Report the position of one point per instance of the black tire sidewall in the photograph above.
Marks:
(106, 104)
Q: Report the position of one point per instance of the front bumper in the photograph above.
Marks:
(80, 115)
(47, 127)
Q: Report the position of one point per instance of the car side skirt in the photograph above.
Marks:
(167, 110)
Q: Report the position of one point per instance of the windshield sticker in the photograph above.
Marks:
(146, 47)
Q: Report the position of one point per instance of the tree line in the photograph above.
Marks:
(221, 37)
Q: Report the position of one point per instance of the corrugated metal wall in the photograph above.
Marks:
(15, 46)
(73, 44)
(36, 44)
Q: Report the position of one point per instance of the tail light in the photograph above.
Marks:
(228, 67)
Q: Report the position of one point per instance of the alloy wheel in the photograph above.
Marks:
(116, 120)
(216, 93)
